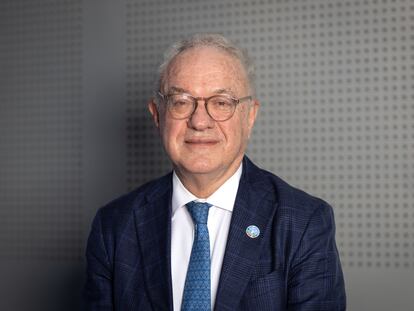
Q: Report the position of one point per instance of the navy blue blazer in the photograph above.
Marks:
(292, 265)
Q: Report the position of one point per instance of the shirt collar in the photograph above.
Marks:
(224, 197)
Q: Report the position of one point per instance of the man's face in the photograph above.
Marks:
(199, 145)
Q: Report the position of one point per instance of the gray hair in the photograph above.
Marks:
(207, 40)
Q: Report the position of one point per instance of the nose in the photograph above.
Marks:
(200, 119)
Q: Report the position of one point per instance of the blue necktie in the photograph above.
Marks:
(197, 292)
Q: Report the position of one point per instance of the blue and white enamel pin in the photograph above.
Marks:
(252, 231)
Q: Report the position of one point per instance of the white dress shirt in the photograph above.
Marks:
(182, 232)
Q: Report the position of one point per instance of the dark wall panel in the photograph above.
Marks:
(41, 154)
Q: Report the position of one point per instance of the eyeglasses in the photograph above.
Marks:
(219, 107)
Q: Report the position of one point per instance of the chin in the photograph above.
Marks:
(200, 166)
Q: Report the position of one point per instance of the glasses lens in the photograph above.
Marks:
(180, 106)
(221, 107)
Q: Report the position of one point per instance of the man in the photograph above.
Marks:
(218, 232)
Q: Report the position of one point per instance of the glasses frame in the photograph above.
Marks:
(236, 101)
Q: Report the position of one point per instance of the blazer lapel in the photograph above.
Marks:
(255, 205)
(153, 225)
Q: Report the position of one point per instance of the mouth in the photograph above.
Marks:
(201, 142)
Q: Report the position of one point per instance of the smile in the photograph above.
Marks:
(201, 142)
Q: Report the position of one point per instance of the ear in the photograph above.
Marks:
(153, 109)
(253, 111)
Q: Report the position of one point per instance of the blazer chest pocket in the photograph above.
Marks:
(264, 293)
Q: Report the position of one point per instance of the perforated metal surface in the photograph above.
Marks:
(40, 126)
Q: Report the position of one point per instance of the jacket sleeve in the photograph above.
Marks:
(316, 279)
(98, 291)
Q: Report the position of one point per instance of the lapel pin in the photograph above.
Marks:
(252, 231)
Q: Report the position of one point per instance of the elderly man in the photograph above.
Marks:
(217, 232)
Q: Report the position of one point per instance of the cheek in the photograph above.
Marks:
(235, 132)
(171, 131)
(243, 130)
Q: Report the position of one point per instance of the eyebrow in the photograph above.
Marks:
(224, 91)
(176, 89)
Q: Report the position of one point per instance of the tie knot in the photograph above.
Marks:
(198, 211)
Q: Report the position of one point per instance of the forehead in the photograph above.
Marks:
(206, 67)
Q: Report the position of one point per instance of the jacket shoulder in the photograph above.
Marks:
(288, 197)
(117, 211)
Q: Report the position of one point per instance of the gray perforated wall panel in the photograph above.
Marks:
(335, 79)
(41, 153)
(40, 150)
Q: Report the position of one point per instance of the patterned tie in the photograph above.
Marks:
(197, 294)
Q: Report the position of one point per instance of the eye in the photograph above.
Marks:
(179, 103)
(221, 103)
